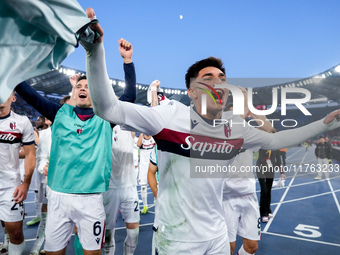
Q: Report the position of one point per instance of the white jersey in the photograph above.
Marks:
(15, 130)
(144, 153)
(189, 209)
(241, 182)
(43, 150)
(123, 173)
(135, 151)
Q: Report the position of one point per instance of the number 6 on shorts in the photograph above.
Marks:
(97, 229)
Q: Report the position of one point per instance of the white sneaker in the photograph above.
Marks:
(270, 215)
(265, 219)
(318, 178)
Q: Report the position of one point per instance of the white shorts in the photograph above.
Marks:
(42, 198)
(216, 246)
(86, 211)
(143, 176)
(36, 179)
(9, 210)
(243, 217)
(126, 200)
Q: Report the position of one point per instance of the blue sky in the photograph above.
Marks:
(255, 39)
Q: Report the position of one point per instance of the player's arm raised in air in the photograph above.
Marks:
(105, 103)
(73, 81)
(154, 87)
(287, 138)
(140, 140)
(126, 51)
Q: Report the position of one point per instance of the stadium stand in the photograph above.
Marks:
(324, 88)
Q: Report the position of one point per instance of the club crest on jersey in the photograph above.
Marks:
(13, 125)
(227, 130)
(79, 131)
(160, 96)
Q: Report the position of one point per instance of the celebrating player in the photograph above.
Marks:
(189, 215)
(42, 156)
(122, 194)
(239, 196)
(146, 144)
(14, 130)
(80, 165)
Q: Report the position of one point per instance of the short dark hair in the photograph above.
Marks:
(64, 99)
(199, 65)
(82, 77)
(42, 118)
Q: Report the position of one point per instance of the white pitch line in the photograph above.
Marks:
(281, 200)
(278, 206)
(298, 150)
(141, 225)
(29, 202)
(151, 205)
(303, 198)
(30, 240)
(302, 184)
(303, 239)
(29, 217)
(334, 196)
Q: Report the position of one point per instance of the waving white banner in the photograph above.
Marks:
(35, 37)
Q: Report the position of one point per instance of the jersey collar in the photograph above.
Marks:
(4, 117)
(208, 121)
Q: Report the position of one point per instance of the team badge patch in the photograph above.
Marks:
(13, 125)
(79, 131)
(227, 130)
